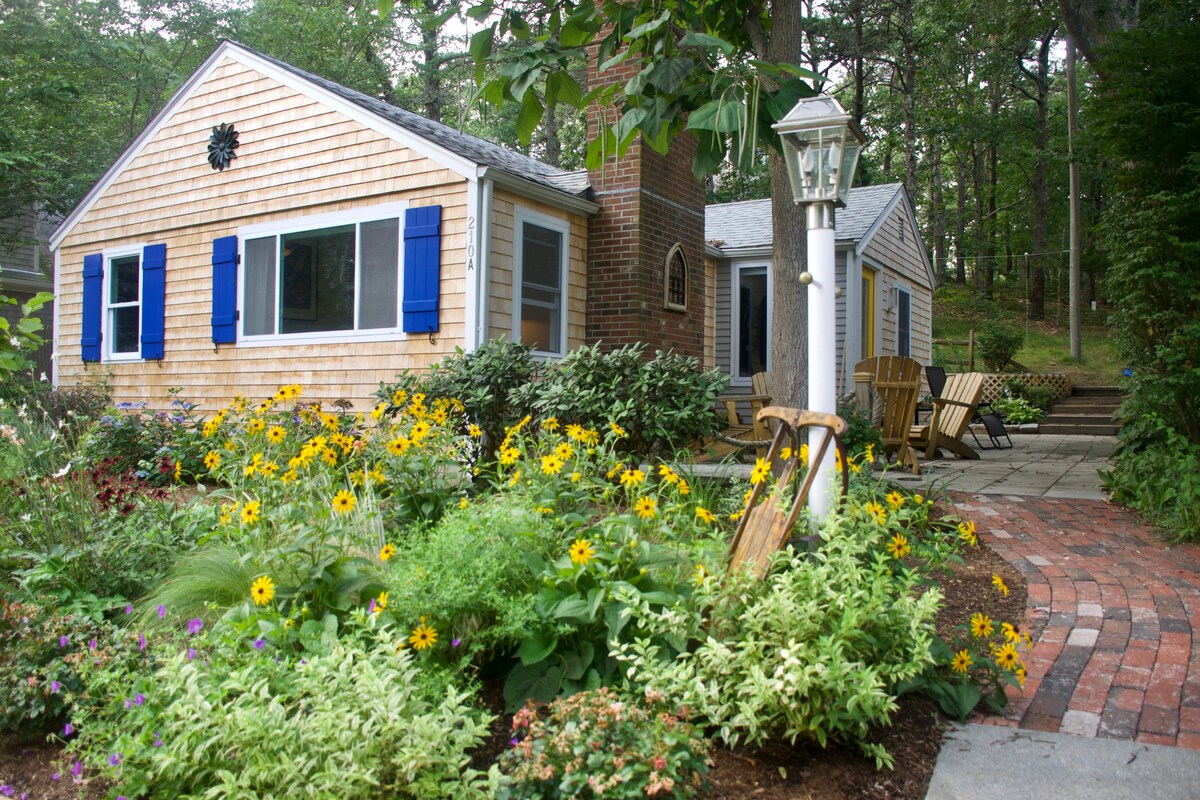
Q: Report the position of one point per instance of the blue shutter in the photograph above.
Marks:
(154, 300)
(93, 289)
(224, 290)
(422, 268)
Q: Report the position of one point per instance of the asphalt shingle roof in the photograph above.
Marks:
(748, 223)
(472, 148)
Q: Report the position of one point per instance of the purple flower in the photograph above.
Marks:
(455, 642)
(92, 644)
(63, 641)
(68, 729)
(371, 606)
(162, 611)
(195, 625)
(259, 644)
(128, 703)
(77, 769)
(157, 740)
(514, 741)
(55, 776)
(129, 609)
(191, 653)
(139, 698)
(54, 687)
(7, 790)
(115, 759)
(141, 642)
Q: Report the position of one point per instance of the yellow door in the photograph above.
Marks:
(868, 313)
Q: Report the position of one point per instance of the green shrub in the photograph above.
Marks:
(1157, 472)
(1017, 410)
(665, 402)
(600, 744)
(813, 650)
(862, 433)
(1040, 397)
(470, 574)
(217, 716)
(996, 344)
(150, 443)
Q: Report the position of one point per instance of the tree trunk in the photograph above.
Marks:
(937, 209)
(977, 153)
(789, 306)
(1041, 202)
(908, 87)
(431, 79)
(960, 224)
(989, 271)
(1072, 120)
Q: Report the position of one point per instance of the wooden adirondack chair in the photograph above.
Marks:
(766, 526)
(749, 428)
(952, 413)
(897, 379)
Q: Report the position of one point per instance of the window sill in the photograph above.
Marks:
(328, 337)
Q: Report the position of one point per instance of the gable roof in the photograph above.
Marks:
(747, 224)
(468, 155)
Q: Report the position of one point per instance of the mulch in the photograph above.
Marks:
(779, 771)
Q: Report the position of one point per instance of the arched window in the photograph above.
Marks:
(676, 289)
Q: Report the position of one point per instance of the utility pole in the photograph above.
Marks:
(1072, 121)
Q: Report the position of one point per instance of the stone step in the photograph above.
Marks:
(1085, 405)
(1056, 418)
(1096, 391)
(1079, 430)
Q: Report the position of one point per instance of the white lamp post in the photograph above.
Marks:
(820, 146)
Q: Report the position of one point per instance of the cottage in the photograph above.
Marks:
(270, 226)
(884, 276)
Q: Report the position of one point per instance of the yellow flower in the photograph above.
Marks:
(575, 476)
(617, 430)
(328, 456)
(474, 430)
(981, 625)
(876, 511)
(895, 500)
(1006, 656)
(855, 468)
(1000, 585)
(898, 546)
(276, 434)
(330, 421)
(616, 468)
(250, 513)
(262, 590)
(253, 466)
(211, 427)
(575, 432)
(699, 576)
(515, 479)
(550, 424)
(387, 551)
(760, 472)
(343, 502)
(545, 510)
(423, 636)
(918, 499)
(683, 487)
(646, 507)
(1011, 634)
(804, 455)
(961, 662)
(564, 451)
(381, 602)
(966, 532)
(705, 515)
(581, 552)
(178, 470)
(785, 454)
(255, 426)
(398, 446)
(590, 437)
(377, 412)
(632, 477)
(509, 455)
(668, 475)
(226, 515)
(870, 453)
(399, 397)
(212, 460)
(462, 502)
(551, 464)
(1020, 672)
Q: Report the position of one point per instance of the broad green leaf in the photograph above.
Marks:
(720, 115)
(537, 647)
(670, 73)
(697, 39)
(529, 118)
(648, 27)
(573, 608)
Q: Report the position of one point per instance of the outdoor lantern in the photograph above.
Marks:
(820, 146)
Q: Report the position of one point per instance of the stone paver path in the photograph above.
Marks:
(1114, 613)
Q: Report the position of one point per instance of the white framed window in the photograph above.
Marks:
(540, 282)
(122, 313)
(323, 278)
(751, 321)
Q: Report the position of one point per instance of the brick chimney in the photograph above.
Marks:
(646, 275)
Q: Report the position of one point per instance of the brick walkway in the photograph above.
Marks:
(1111, 609)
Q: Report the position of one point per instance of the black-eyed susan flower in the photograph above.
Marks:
(760, 472)
(474, 431)
(550, 424)
(961, 662)
(509, 456)
(255, 426)
(898, 546)
(683, 487)
(212, 460)
(699, 576)
(876, 512)
(1000, 585)
(251, 512)
(262, 590)
(551, 464)
(632, 477)
(423, 637)
(581, 552)
(617, 430)
(966, 532)
(1006, 656)
(344, 502)
(981, 625)
(564, 451)
(276, 434)
(178, 471)
(387, 551)
(786, 454)
(1010, 632)
(705, 515)
(646, 507)
(462, 502)
(895, 500)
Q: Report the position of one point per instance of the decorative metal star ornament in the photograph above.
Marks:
(222, 146)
